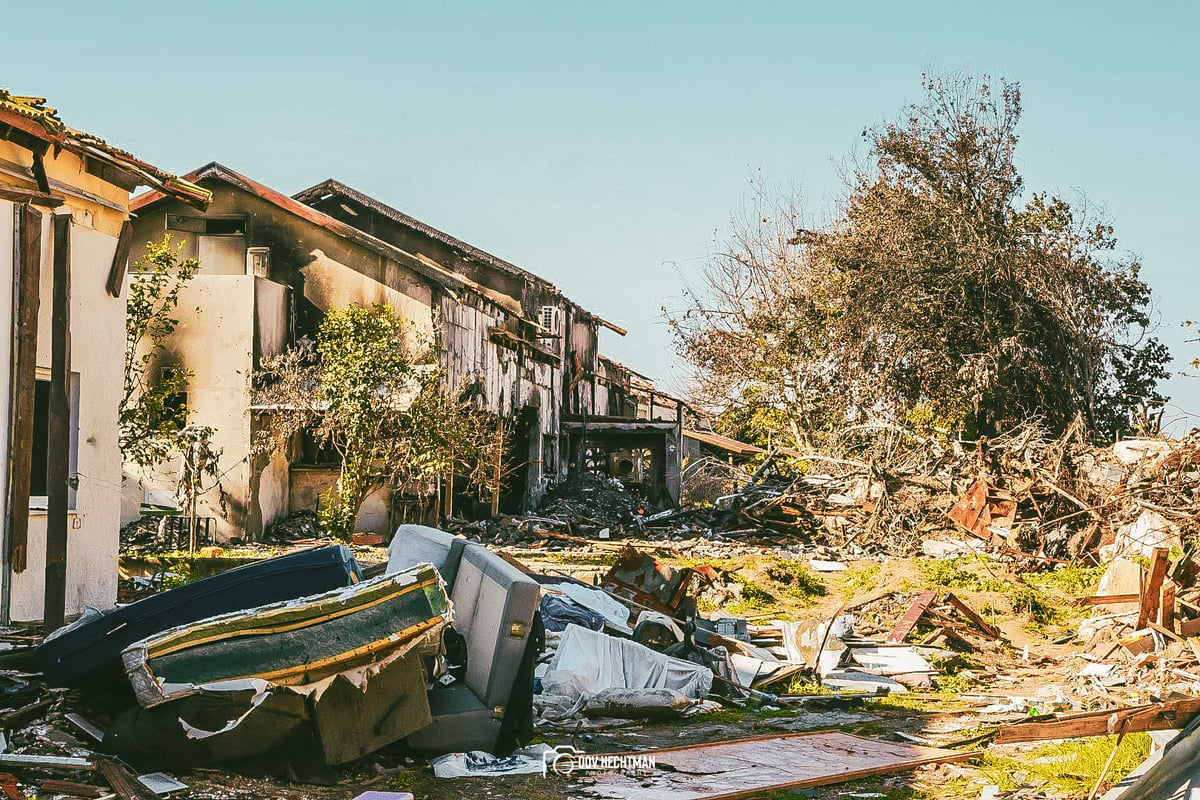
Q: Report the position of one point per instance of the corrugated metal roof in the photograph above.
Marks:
(32, 116)
(723, 442)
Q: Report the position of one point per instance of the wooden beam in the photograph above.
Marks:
(116, 273)
(1108, 599)
(909, 621)
(1166, 606)
(123, 782)
(29, 260)
(54, 786)
(15, 195)
(58, 487)
(39, 171)
(1156, 717)
(974, 618)
(1152, 587)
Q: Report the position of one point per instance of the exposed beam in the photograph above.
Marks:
(39, 171)
(29, 261)
(15, 195)
(116, 273)
(58, 486)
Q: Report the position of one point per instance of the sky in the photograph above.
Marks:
(605, 146)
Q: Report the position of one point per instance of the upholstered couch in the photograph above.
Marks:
(494, 606)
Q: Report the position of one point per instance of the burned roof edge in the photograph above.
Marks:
(331, 186)
(424, 266)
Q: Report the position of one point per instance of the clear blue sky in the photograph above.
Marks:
(601, 145)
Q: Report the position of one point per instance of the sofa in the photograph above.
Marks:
(494, 609)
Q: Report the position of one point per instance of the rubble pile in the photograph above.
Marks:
(588, 498)
(299, 526)
(1021, 496)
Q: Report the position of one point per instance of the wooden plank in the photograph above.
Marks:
(116, 272)
(29, 260)
(58, 488)
(1138, 642)
(1150, 590)
(1108, 599)
(911, 617)
(53, 786)
(745, 768)
(973, 617)
(1155, 717)
(19, 716)
(1189, 627)
(1166, 606)
(123, 782)
(15, 195)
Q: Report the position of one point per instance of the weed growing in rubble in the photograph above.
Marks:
(754, 597)
(859, 580)
(1071, 767)
(948, 572)
(1074, 580)
(955, 684)
(1028, 600)
(795, 578)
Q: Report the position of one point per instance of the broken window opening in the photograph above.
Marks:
(39, 468)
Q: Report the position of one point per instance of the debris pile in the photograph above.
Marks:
(585, 497)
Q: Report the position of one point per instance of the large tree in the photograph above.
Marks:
(937, 291)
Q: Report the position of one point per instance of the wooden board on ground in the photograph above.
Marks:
(753, 767)
(909, 621)
(1155, 717)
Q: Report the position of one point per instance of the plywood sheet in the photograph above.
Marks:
(750, 767)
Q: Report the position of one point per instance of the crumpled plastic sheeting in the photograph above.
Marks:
(526, 761)
(596, 661)
(613, 612)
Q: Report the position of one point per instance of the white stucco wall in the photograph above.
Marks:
(98, 330)
(214, 339)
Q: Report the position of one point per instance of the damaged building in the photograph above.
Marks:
(272, 265)
(64, 238)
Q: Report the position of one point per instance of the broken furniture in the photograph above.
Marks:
(315, 681)
(494, 605)
(88, 652)
(297, 642)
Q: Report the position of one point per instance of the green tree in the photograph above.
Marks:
(150, 413)
(936, 293)
(372, 390)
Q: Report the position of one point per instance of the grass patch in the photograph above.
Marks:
(579, 558)
(754, 597)
(859, 580)
(801, 685)
(1068, 767)
(948, 572)
(1031, 602)
(1076, 581)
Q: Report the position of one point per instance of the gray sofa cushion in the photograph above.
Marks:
(420, 544)
(460, 723)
